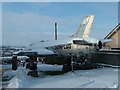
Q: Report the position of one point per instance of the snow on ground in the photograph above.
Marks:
(20, 78)
(10, 73)
(100, 78)
(6, 66)
(46, 67)
(94, 78)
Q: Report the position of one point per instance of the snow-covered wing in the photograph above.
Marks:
(105, 40)
(43, 52)
(42, 45)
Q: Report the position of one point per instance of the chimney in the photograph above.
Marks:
(55, 31)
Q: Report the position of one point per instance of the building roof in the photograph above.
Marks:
(113, 31)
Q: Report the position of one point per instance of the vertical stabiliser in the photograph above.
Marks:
(84, 28)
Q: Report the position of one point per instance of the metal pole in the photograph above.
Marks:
(72, 64)
(55, 31)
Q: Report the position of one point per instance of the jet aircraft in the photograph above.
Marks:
(79, 44)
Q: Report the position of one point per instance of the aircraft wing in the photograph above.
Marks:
(105, 40)
(43, 51)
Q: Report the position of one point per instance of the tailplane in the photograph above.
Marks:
(84, 28)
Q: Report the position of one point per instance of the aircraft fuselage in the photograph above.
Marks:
(72, 49)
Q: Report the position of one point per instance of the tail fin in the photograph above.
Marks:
(84, 28)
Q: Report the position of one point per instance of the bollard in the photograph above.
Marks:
(14, 62)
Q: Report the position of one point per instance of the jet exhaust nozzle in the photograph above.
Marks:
(100, 45)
